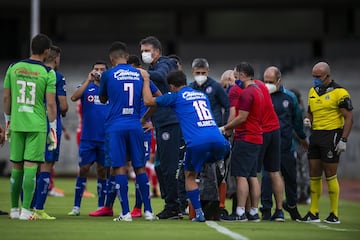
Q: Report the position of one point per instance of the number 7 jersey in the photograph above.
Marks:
(29, 81)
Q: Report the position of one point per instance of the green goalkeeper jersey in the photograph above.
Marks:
(29, 81)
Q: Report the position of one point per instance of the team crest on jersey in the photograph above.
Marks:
(209, 89)
(285, 103)
(327, 97)
(165, 136)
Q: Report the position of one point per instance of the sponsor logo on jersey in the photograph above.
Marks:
(24, 71)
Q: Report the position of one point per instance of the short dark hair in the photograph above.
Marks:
(176, 78)
(154, 41)
(246, 68)
(176, 58)
(54, 53)
(40, 43)
(134, 60)
(200, 63)
(100, 62)
(118, 49)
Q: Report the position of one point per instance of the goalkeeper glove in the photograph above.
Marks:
(7, 126)
(52, 138)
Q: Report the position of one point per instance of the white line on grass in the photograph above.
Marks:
(225, 231)
(336, 229)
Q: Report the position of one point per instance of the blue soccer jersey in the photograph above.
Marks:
(192, 108)
(93, 114)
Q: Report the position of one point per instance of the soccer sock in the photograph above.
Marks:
(334, 190)
(138, 200)
(29, 182)
(42, 189)
(110, 192)
(240, 211)
(315, 193)
(16, 180)
(101, 190)
(194, 196)
(122, 182)
(79, 190)
(143, 181)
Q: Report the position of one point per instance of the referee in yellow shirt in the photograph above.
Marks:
(330, 117)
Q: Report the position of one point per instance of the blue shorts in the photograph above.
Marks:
(125, 143)
(269, 156)
(196, 156)
(243, 162)
(147, 145)
(53, 155)
(92, 151)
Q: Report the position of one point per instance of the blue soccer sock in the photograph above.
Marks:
(194, 196)
(122, 182)
(143, 181)
(42, 189)
(110, 192)
(138, 200)
(101, 191)
(79, 190)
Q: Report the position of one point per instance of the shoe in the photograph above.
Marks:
(309, 217)
(332, 219)
(253, 218)
(149, 216)
(169, 214)
(74, 212)
(278, 216)
(265, 214)
(3, 212)
(293, 211)
(234, 218)
(14, 213)
(136, 212)
(199, 218)
(104, 211)
(56, 193)
(27, 215)
(124, 218)
(88, 194)
(41, 214)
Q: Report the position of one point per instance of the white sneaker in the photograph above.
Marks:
(149, 216)
(74, 212)
(27, 215)
(125, 218)
(55, 193)
(14, 213)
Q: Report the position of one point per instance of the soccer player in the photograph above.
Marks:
(330, 115)
(92, 141)
(51, 156)
(122, 87)
(204, 143)
(28, 83)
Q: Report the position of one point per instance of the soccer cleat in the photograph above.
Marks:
(199, 218)
(332, 219)
(123, 218)
(234, 218)
(14, 213)
(278, 216)
(3, 212)
(56, 192)
(104, 211)
(27, 215)
(88, 194)
(136, 212)
(41, 214)
(149, 216)
(74, 212)
(310, 218)
(265, 213)
(169, 214)
(293, 211)
(253, 218)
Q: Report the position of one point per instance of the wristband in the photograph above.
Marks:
(53, 124)
(343, 139)
(7, 117)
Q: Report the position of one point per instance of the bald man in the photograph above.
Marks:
(330, 117)
(227, 80)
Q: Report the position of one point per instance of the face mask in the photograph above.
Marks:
(146, 57)
(200, 79)
(271, 87)
(240, 83)
(318, 82)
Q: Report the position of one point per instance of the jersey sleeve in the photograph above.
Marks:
(60, 85)
(51, 82)
(166, 100)
(153, 88)
(103, 85)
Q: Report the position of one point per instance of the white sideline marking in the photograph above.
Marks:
(225, 231)
(336, 229)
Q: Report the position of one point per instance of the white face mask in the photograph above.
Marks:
(200, 79)
(146, 57)
(271, 87)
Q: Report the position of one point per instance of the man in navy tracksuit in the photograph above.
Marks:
(167, 128)
(290, 118)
